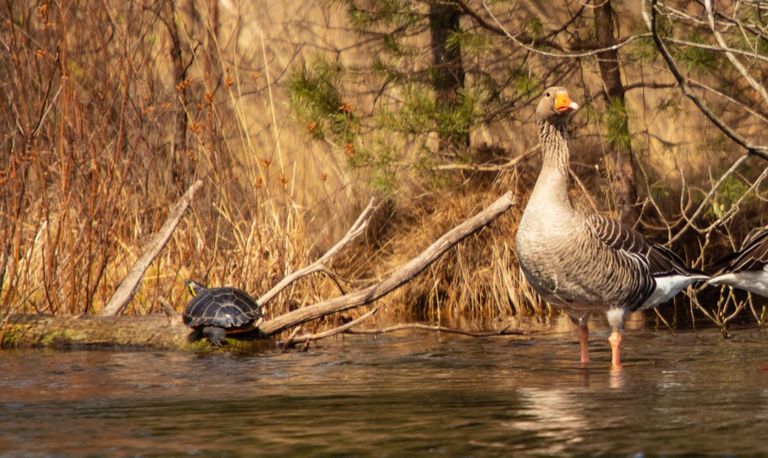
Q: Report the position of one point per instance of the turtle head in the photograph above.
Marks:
(194, 287)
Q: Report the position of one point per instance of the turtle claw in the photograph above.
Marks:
(218, 342)
(215, 336)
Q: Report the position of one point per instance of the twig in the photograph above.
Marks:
(707, 199)
(723, 48)
(127, 288)
(402, 327)
(761, 151)
(500, 30)
(397, 278)
(337, 330)
(319, 266)
(591, 52)
(700, 85)
(736, 63)
(491, 168)
(733, 209)
(291, 338)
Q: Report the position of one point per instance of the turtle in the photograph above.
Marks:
(216, 312)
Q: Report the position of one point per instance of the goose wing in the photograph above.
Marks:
(659, 260)
(753, 254)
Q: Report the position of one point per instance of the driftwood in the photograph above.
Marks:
(130, 282)
(348, 328)
(167, 332)
(507, 331)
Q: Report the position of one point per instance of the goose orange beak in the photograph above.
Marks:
(564, 104)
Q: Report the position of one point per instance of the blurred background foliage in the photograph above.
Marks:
(294, 114)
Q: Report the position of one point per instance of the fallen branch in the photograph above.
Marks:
(395, 279)
(130, 282)
(348, 329)
(358, 227)
(332, 332)
(402, 327)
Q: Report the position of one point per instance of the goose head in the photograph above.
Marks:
(555, 105)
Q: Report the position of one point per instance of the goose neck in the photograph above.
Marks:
(554, 146)
(551, 189)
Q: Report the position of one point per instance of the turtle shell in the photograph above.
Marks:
(228, 308)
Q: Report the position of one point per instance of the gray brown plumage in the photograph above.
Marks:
(746, 268)
(587, 263)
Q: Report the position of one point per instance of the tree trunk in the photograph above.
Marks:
(180, 171)
(448, 75)
(624, 169)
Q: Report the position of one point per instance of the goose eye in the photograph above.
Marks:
(546, 94)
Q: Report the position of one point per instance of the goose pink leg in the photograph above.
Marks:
(615, 340)
(583, 343)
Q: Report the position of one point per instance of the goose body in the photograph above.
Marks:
(587, 263)
(746, 268)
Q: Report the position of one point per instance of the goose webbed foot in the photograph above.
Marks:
(616, 318)
(584, 343)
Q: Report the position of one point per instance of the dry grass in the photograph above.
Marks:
(93, 154)
(89, 169)
(475, 282)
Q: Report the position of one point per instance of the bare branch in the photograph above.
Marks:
(347, 329)
(736, 63)
(698, 84)
(591, 52)
(338, 330)
(731, 212)
(402, 327)
(758, 150)
(491, 168)
(705, 202)
(501, 31)
(130, 282)
(357, 228)
(722, 48)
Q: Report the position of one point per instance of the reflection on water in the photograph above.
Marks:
(560, 411)
(418, 394)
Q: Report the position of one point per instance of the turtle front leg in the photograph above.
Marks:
(216, 335)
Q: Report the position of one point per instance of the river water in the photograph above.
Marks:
(395, 395)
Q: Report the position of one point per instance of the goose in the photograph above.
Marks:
(746, 268)
(586, 263)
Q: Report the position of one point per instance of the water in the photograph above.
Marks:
(405, 395)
